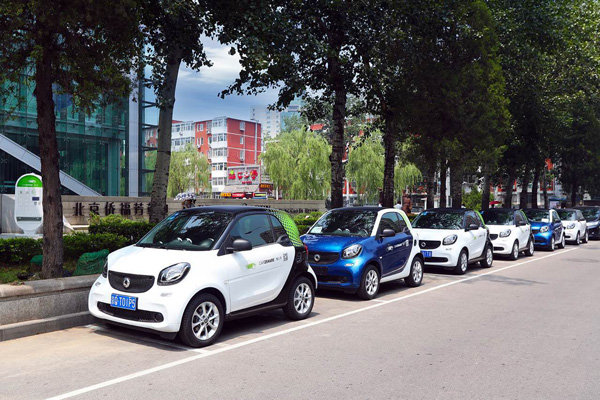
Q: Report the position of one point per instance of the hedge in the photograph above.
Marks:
(19, 250)
(119, 225)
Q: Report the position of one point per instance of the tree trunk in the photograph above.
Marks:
(158, 201)
(574, 194)
(508, 189)
(52, 266)
(337, 141)
(485, 193)
(545, 189)
(456, 184)
(524, 188)
(534, 188)
(430, 186)
(389, 142)
(443, 184)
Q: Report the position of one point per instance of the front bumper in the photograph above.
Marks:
(343, 274)
(159, 309)
(443, 256)
(503, 246)
(571, 234)
(594, 233)
(543, 239)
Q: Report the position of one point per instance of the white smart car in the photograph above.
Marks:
(453, 238)
(510, 232)
(575, 224)
(202, 266)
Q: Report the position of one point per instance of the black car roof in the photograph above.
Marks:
(362, 208)
(503, 209)
(227, 209)
(567, 209)
(538, 209)
(587, 208)
(449, 210)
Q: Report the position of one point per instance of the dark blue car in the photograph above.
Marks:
(592, 217)
(546, 227)
(355, 249)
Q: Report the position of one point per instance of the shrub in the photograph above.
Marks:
(79, 243)
(305, 219)
(19, 250)
(302, 229)
(119, 225)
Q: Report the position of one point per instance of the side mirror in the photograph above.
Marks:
(240, 245)
(472, 227)
(522, 223)
(387, 232)
(284, 239)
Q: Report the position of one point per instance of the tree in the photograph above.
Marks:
(300, 47)
(365, 165)
(82, 48)
(189, 170)
(173, 30)
(406, 176)
(297, 163)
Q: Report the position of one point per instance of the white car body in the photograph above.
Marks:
(240, 280)
(574, 229)
(474, 241)
(504, 237)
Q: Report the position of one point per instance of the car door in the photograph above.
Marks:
(256, 276)
(556, 225)
(393, 251)
(523, 231)
(477, 237)
(582, 224)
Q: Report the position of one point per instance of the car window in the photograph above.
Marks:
(472, 219)
(497, 217)
(579, 215)
(591, 214)
(278, 229)
(568, 215)
(518, 217)
(345, 222)
(555, 216)
(254, 228)
(438, 220)
(393, 221)
(538, 216)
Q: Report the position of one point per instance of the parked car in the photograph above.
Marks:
(202, 266)
(546, 227)
(510, 232)
(574, 225)
(592, 217)
(355, 249)
(453, 239)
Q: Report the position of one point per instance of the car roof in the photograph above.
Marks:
(567, 209)
(586, 207)
(227, 209)
(362, 208)
(503, 209)
(538, 209)
(449, 210)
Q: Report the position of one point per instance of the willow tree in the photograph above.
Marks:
(365, 165)
(298, 163)
(406, 176)
(82, 48)
(189, 170)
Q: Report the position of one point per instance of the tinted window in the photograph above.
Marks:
(580, 215)
(567, 215)
(345, 223)
(519, 217)
(438, 220)
(472, 219)
(538, 216)
(555, 216)
(278, 229)
(498, 217)
(392, 221)
(591, 214)
(188, 230)
(254, 228)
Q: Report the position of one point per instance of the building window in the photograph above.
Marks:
(242, 126)
(201, 141)
(242, 155)
(241, 140)
(201, 127)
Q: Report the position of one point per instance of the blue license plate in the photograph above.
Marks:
(125, 302)
(426, 254)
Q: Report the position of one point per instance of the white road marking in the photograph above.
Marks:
(207, 353)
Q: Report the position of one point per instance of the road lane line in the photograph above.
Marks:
(208, 353)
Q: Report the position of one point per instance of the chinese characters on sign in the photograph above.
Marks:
(109, 209)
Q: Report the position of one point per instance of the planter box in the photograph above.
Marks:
(44, 306)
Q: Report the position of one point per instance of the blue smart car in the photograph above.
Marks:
(546, 227)
(354, 249)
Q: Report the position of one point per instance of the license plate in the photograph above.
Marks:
(426, 254)
(125, 302)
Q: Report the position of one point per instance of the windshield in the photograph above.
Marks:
(438, 220)
(492, 217)
(538, 216)
(567, 215)
(591, 214)
(345, 223)
(188, 231)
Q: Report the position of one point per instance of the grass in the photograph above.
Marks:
(8, 274)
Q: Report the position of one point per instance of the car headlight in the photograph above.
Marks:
(544, 228)
(571, 226)
(173, 274)
(352, 251)
(105, 269)
(505, 233)
(450, 239)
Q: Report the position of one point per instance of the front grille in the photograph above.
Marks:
(493, 236)
(137, 283)
(498, 248)
(436, 259)
(322, 258)
(429, 244)
(137, 315)
(535, 230)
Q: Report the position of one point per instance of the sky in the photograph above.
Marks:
(196, 97)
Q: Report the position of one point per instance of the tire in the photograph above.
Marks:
(489, 257)
(530, 248)
(300, 299)
(202, 321)
(561, 245)
(577, 240)
(585, 237)
(552, 244)
(462, 263)
(369, 284)
(415, 278)
(514, 254)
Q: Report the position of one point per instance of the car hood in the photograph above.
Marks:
(496, 229)
(435, 234)
(329, 243)
(150, 261)
(538, 225)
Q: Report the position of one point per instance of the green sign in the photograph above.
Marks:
(29, 181)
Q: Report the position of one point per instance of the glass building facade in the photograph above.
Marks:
(93, 148)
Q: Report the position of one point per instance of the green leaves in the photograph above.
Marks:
(189, 170)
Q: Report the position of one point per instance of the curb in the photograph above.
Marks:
(34, 327)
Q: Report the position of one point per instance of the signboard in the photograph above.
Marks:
(266, 186)
(260, 195)
(28, 203)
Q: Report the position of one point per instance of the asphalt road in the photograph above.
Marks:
(528, 329)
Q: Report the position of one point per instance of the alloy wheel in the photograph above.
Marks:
(417, 273)
(515, 251)
(302, 298)
(463, 262)
(372, 282)
(205, 320)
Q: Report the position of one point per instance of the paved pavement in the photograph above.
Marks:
(528, 329)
